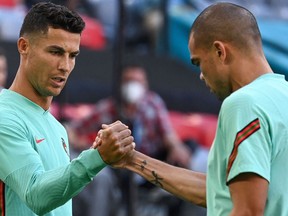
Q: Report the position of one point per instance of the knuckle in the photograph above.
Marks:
(129, 132)
(132, 138)
(107, 132)
(114, 138)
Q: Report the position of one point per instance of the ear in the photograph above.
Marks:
(220, 50)
(23, 45)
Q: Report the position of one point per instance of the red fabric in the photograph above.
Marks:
(200, 127)
(93, 36)
(7, 3)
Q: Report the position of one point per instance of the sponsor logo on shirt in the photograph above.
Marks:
(39, 140)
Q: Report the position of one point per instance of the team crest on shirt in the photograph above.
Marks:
(65, 146)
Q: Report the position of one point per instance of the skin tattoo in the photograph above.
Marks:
(157, 179)
(144, 163)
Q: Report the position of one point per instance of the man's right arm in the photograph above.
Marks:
(43, 190)
(183, 183)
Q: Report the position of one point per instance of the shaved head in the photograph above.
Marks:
(229, 23)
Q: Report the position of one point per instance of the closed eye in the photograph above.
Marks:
(195, 62)
(74, 54)
(55, 52)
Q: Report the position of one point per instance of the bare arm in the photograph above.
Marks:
(249, 194)
(183, 183)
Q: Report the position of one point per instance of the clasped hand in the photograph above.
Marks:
(114, 142)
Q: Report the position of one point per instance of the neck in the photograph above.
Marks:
(248, 70)
(29, 92)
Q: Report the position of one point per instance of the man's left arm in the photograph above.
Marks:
(249, 194)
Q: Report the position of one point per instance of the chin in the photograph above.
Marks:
(55, 94)
(55, 91)
(52, 93)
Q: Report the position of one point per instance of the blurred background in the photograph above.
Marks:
(153, 34)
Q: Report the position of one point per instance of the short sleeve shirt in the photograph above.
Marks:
(252, 136)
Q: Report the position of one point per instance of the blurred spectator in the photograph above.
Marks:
(144, 111)
(146, 114)
(3, 70)
(11, 17)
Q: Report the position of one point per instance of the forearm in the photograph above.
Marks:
(44, 191)
(183, 183)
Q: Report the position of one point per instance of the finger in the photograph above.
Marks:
(123, 134)
(110, 125)
(133, 145)
(97, 142)
(99, 134)
(118, 126)
(129, 147)
(104, 126)
(114, 128)
(127, 141)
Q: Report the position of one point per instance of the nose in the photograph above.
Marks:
(65, 64)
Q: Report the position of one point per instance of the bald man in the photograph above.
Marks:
(247, 166)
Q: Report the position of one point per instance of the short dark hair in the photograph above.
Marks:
(46, 14)
(226, 22)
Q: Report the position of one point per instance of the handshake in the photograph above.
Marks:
(115, 144)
